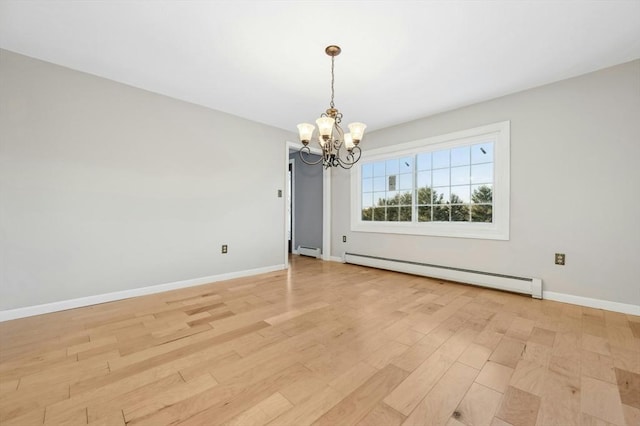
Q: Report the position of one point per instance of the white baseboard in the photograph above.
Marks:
(63, 305)
(624, 308)
(335, 259)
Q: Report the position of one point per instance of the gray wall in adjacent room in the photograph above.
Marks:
(308, 202)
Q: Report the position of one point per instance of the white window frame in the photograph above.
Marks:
(499, 133)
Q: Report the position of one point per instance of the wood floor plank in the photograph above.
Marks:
(352, 378)
(601, 400)
(439, 404)
(31, 417)
(309, 410)
(519, 408)
(475, 356)
(478, 406)
(495, 376)
(358, 403)
(103, 408)
(263, 412)
(136, 408)
(508, 352)
(24, 400)
(406, 397)
(529, 377)
(560, 401)
(246, 398)
(598, 366)
(382, 415)
(628, 384)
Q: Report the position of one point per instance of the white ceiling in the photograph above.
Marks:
(265, 60)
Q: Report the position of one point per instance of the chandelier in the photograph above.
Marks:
(331, 137)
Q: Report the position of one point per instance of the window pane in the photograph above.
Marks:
(460, 213)
(461, 194)
(424, 195)
(367, 185)
(441, 177)
(367, 199)
(441, 195)
(481, 213)
(482, 153)
(441, 159)
(406, 181)
(380, 198)
(379, 213)
(392, 214)
(482, 173)
(424, 161)
(460, 175)
(482, 194)
(460, 156)
(378, 184)
(378, 169)
(441, 213)
(392, 183)
(424, 179)
(392, 167)
(367, 170)
(424, 214)
(367, 214)
(405, 214)
(405, 198)
(406, 165)
(392, 198)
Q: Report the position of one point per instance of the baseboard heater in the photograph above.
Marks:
(310, 251)
(532, 286)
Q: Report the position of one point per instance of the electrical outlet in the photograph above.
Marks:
(224, 249)
(560, 258)
(344, 238)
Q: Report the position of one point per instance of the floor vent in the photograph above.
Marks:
(310, 251)
(532, 286)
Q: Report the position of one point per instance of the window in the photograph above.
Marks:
(453, 185)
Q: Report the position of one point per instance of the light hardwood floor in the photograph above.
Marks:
(323, 343)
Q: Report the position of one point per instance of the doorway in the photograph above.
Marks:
(305, 210)
(306, 204)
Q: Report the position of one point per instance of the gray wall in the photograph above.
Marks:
(575, 181)
(105, 187)
(308, 202)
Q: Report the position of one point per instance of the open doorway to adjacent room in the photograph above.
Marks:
(306, 204)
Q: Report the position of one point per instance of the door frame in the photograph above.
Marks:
(326, 204)
(292, 213)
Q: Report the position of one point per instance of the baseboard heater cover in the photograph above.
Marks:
(310, 251)
(532, 286)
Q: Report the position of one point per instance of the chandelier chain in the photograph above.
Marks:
(332, 80)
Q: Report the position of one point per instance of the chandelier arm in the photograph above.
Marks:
(307, 152)
(350, 159)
